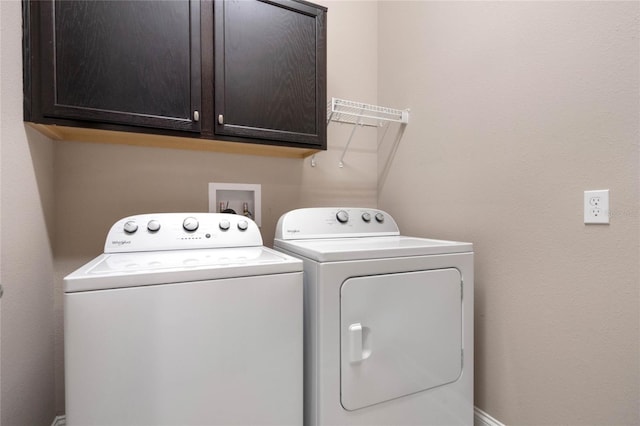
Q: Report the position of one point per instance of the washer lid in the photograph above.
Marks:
(120, 270)
(338, 249)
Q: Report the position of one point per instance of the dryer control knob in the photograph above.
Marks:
(130, 227)
(190, 224)
(342, 216)
(243, 225)
(224, 225)
(153, 226)
(366, 217)
(380, 217)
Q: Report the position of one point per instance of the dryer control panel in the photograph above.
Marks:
(335, 222)
(181, 231)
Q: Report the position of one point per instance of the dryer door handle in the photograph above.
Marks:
(359, 343)
(355, 342)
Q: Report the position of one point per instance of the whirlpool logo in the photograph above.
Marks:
(293, 231)
(120, 242)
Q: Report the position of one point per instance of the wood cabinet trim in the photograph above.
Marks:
(83, 134)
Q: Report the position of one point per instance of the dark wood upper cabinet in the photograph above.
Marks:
(126, 62)
(229, 70)
(270, 70)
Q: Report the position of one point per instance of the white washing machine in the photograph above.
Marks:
(388, 320)
(186, 319)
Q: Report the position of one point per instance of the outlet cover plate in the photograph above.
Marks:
(596, 206)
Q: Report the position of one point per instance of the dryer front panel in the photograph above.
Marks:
(400, 334)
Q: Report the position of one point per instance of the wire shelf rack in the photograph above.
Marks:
(344, 111)
(361, 115)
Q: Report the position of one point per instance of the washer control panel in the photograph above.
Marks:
(334, 222)
(181, 231)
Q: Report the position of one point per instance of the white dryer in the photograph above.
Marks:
(186, 319)
(388, 320)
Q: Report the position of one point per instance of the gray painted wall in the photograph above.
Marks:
(517, 108)
(26, 260)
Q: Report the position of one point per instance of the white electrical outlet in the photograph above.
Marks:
(596, 206)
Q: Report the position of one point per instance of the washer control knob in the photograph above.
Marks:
(224, 225)
(190, 224)
(380, 217)
(342, 216)
(153, 226)
(243, 225)
(366, 217)
(130, 227)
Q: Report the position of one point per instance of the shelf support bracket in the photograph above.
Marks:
(341, 163)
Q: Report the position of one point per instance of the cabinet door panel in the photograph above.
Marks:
(127, 62)
(270, 68)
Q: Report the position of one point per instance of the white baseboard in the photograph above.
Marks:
(59, 421)
(480, 418)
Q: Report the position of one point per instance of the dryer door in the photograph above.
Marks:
(400, 334)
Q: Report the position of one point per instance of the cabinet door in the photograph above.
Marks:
(123, 62)
(270, 71)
